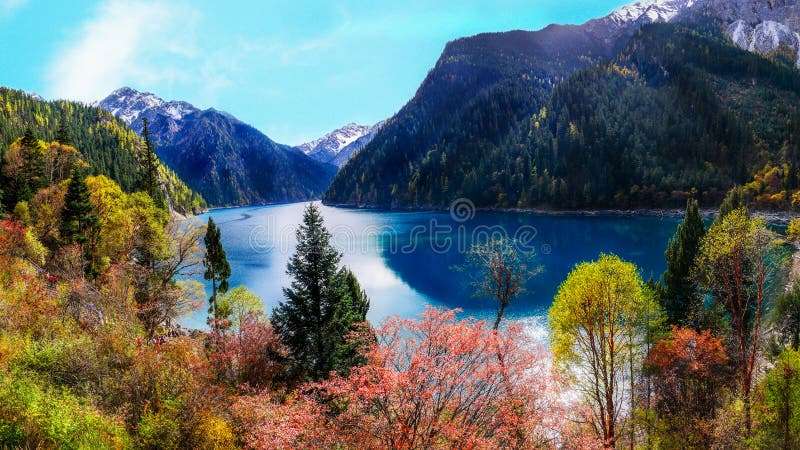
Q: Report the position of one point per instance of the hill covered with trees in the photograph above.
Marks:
(679, 111)
(105, 143)
(226, 160)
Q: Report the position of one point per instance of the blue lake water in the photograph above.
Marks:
(405, 260)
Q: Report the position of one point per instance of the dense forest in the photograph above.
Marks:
(679, 112)
(105, 143)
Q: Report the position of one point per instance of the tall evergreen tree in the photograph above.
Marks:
(62, 133)
(733, 201)
(679, 295)
(350, 311)
(149, 170)
(322, 305)
(79, 220)
(218, 270)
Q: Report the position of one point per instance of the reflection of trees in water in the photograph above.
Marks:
(571, 239)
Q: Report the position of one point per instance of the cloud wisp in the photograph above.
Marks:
(122, 41)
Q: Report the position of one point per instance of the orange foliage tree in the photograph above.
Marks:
(688, 373)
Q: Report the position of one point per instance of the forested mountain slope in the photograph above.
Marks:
(680, 108)
(481, 90)
(223, 158)
(109, 146)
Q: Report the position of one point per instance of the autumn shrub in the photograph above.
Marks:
(777, 406)
(158, 430)
(432, 382)
(689, 377)
(34, 415)
(213, 432)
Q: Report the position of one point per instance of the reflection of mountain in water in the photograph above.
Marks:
(569, 240)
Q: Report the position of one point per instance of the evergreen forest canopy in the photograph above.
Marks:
(105, 143)
(679, 112)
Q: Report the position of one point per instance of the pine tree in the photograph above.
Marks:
(218, 270)
(62, 134)
(351, 310)
(34, 162)
(79, 220)
(149, 170)
(679, 295)
(733, 201)
(322, 305)
(78, 213)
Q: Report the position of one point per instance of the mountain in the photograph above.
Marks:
(339, 145)
(109, 146)
(499, 118)
(223, 158)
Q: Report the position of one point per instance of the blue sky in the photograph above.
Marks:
(295, 69)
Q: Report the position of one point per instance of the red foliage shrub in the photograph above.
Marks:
(435, 382)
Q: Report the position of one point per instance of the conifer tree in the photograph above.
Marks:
(149, 170)
(679, 295)
(62, 134)
(322, 305)
(79, 219)
(218, 270)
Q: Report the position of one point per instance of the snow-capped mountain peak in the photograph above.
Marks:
(339, 145)
(651, 10)
(129, 105)
(336, 140)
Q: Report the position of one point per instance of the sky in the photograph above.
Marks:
(294, 69)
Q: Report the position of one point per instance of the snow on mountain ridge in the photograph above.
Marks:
(339, 145)
(335, 141)
(129, 104)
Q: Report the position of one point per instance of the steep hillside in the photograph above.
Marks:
(226, 160)
(480, 91)
(552, 119)
(106, 143)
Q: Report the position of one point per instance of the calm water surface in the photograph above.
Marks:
(405, 260)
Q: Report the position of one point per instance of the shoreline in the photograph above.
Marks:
(771, 217)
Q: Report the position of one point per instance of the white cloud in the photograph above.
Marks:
(139, 43)
(9, 7)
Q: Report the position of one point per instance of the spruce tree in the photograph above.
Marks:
(149, 170)
(322, 305)
(350, 311)
(218, 270)
(33, 167)
(679, 295)
(78, 213)
(79, 219)
(62, 134)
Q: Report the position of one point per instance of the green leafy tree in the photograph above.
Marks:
(680, 297)
(786, 316)
(351, 311)
(778, 409)
(734, 266)
(218, 270)
(599, 321)
(323, 303)
(238, 303)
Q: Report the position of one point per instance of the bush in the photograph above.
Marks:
(37, 416)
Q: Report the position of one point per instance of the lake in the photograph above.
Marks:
(405, 260)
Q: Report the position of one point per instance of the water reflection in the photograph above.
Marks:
(404, 260)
